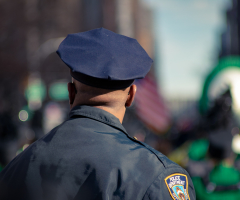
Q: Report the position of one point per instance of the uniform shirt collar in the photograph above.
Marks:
(97, 114)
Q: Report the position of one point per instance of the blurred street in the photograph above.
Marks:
(187, 107)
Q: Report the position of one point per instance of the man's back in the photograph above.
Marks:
(90, 156)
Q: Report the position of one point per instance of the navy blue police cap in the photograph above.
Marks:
(104, 59)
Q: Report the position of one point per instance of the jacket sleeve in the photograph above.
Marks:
(172, 184)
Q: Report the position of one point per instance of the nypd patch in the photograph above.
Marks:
(177, 185)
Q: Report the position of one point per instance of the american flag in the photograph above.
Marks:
(150, 106)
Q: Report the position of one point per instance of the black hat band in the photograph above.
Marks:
(101, 83)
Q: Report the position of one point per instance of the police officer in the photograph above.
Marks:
(91, 156)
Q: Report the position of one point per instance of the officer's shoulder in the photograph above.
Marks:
(164, 160)
(170, 174)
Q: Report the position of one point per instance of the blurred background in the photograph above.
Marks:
(187, 107)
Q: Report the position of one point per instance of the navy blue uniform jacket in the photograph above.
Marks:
(89, 156)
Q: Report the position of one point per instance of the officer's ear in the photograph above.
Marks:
(71, 93)
(131, 95)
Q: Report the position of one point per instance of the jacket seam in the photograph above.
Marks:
(114, 125)
(153, 153)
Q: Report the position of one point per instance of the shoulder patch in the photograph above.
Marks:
(177, 185)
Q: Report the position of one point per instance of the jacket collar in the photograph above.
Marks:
(97, 114)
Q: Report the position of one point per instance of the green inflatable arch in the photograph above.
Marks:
(224, 63)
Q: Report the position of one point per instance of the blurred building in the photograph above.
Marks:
(231, 37)
(25, 26)
(32, 29)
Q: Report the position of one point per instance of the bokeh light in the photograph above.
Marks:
(23, 115)
(236, 144)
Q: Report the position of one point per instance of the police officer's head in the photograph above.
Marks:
(103, 66)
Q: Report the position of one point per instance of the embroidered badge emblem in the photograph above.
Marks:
(177, 185)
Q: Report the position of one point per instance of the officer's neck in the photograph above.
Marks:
(113, 102)
(119, 113)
